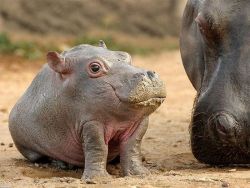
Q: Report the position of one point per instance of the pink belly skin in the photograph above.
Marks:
(72, 151)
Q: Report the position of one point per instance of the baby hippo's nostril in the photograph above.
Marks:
(151, 74)
(139, 75)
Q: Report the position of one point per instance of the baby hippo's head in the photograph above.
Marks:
(105, 81)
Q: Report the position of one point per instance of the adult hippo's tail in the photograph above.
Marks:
(215, 48)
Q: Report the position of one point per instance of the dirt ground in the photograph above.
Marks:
(165, 146)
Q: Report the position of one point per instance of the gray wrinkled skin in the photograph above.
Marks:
(85, 107)
(215, 52)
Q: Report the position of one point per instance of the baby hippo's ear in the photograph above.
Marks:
(57, 63)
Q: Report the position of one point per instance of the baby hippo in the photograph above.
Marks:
(85, 107)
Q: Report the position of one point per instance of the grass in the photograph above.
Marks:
(114, 44)
(25, 49)
(34, 50)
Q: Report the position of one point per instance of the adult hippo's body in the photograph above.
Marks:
(215, 48)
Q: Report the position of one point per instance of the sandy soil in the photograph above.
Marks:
(165, 146)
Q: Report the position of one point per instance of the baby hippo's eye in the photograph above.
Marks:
(95, 67)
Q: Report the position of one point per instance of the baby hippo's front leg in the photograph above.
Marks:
(96, 152)
(130, 152)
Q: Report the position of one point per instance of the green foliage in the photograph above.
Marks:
(5, 44)
(114, 45)
(25, 49)
(32, 50)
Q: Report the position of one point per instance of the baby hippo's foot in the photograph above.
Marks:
(137, 170)
(62, 165)
(93, 177)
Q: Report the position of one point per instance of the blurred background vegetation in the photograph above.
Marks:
(30, 28)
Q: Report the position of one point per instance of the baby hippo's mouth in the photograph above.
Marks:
(148, 94)
(155, 101)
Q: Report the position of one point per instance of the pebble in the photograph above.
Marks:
(4, 186)
(225, 184)
(10, 145)
(2, 144)
(36, 181)
(4, 110)
(17, 179)
(66, 180)
(232, 170)
(172, 173)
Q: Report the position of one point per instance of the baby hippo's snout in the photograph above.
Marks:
(149, 90)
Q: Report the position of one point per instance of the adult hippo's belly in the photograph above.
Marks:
(215, 52)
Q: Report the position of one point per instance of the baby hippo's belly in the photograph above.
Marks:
(68, 146)
(73, 152)
(70, 151)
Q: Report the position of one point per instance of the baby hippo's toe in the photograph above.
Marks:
(137, 171)
(96, 177)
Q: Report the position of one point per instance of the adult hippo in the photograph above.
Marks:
(215, 52)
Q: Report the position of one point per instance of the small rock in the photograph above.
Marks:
(232, 170)
(2, 144)
(17, 179)
(4, 110)
(36, 165)
(5, 186)
(66, 180)
(10, 145)
(69, 181)
(172, 173)
(36, 181)
(143, 158)
(88, 181)
(225, 184)
(149, 162)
